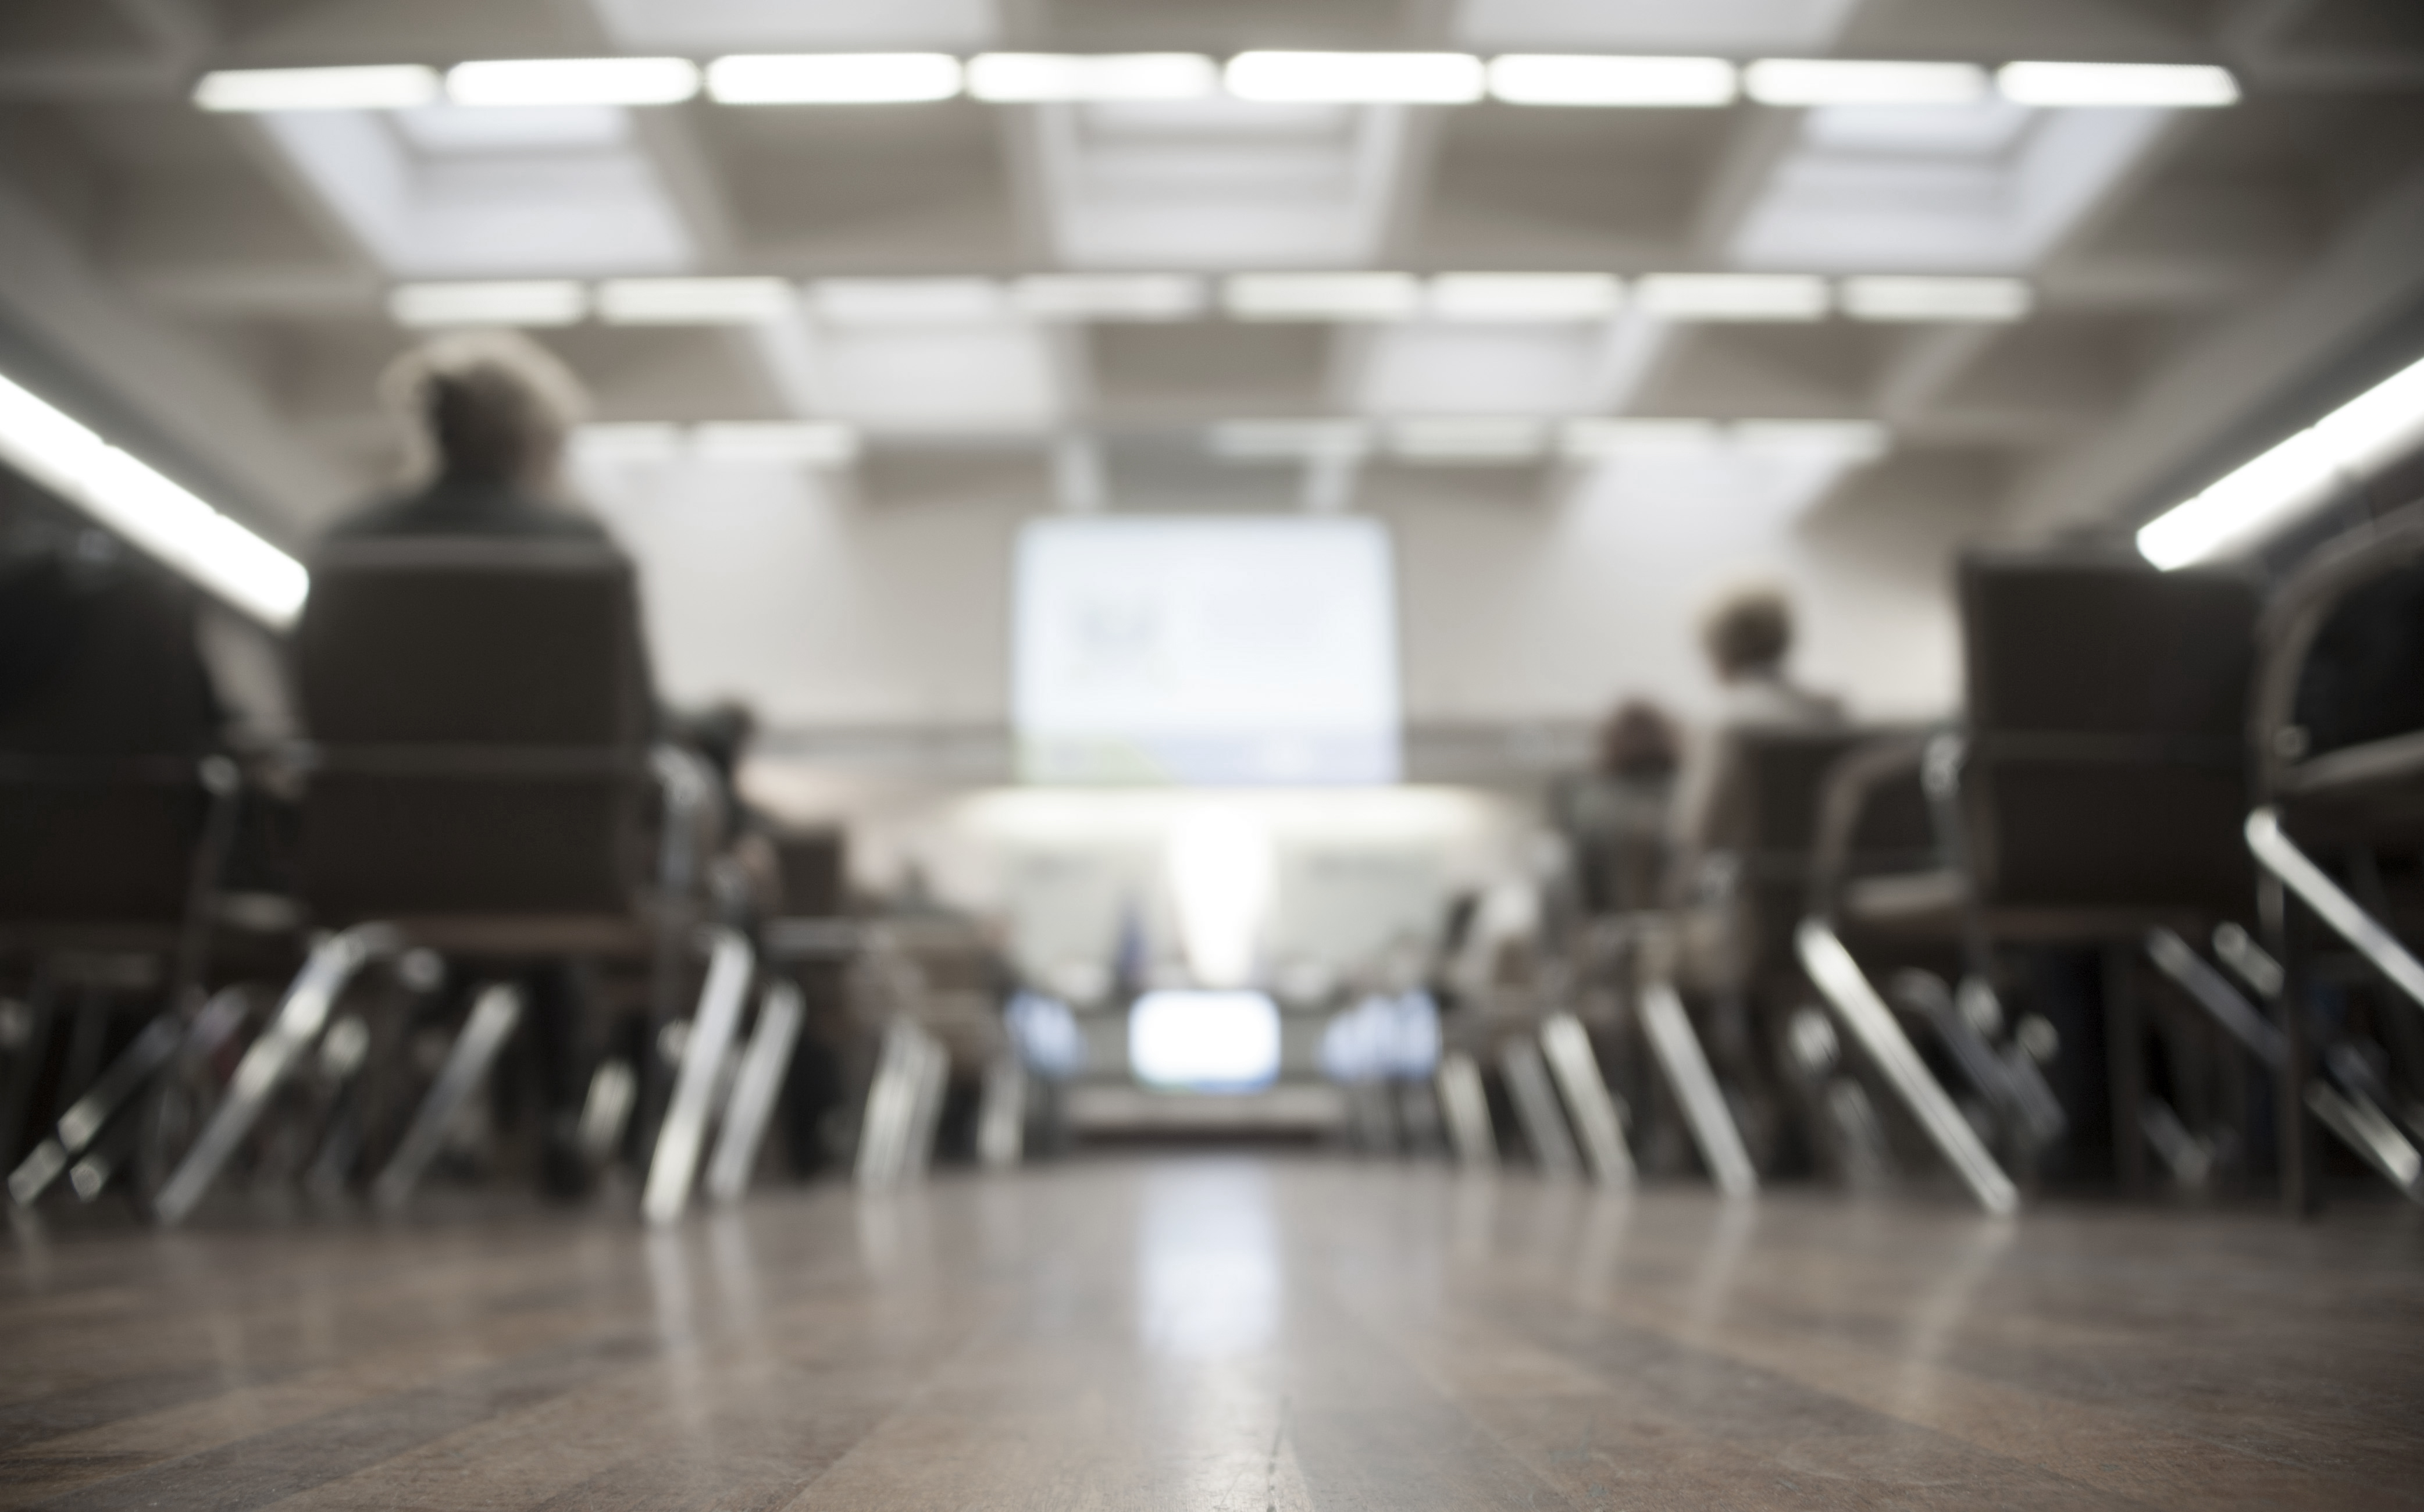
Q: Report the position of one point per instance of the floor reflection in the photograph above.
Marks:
(1208, 1264)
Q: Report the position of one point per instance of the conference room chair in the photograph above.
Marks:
(116, 809)
(482, 803)
(2091, 795)
(2338, 830)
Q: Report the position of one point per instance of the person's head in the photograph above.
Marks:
(490, 405)
(1748, 631)
(1639, 740)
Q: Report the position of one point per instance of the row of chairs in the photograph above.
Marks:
(2148, 895)
(484, 816)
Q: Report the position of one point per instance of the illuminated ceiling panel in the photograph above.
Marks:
(451, 192)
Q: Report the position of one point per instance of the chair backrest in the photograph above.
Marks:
(815, 875)
(480, 714)
(105, 711)
(2107, 710)
(2343, 647)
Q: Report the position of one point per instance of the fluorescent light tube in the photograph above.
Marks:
(833, 78)
(1524, 296)
(1814, 81)
(1591, 438)
(1357, 78)
(1894, 298)
(573, 81)
(1853, 440)
(811, 443)
(1566, 79)
(907, 301)
(1781, 296)
(1037, 76)
(517, 302)
(1288, 440)
(148, 509)
(380, 86)
(1490, 439)
(693, 301)
(2303, 471)
(1321, 296)
(1110, 296)
(2189, 86)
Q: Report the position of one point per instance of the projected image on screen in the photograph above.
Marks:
(1206, 652)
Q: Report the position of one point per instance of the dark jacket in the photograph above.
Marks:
(468, 506)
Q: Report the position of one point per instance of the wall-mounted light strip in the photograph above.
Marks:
(2263, 495)
(1566, 79)
(379, 87)
(156, 514)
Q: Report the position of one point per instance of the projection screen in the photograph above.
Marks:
(1206, 652)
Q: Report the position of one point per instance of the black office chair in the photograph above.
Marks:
(481, 784)
(2337, 725)
(116, 807)
(2090, 798)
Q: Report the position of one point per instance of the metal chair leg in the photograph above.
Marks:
(1565, 1044)
(1846, 989)
(331, 965)
(1535, 1108)
(1467, 1108)
(891, 1106)
(674, 1166)
(1001, 1113)
(85, 1118)
(764, 1066)
(494, 1013)
(1679, 1053)
(2280, 855)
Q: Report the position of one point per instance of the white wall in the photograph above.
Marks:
(781, 586)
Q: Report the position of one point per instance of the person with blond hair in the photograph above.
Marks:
(485, 416)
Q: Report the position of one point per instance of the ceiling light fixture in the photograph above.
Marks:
(156, 514)
(2350, 442)
(1009, 77)
(573, 81)
(1321, 296)
(833, 78)
(380, 86)
(809, 444)
(1590, 439)
(1110, 296)
(1769, 296)
(1288, 440)
(2189, 85)
(1817, 81)
(907, 301)
(1563, 79)
(1897, 298)
(1845, 441)
(1357, 78)
(693, 301)
(1524, 296)
(1485, 440)
(520, 302)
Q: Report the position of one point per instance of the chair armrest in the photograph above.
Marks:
(1849, 785)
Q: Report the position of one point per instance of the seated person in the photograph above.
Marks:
(485, 416)
(1748, 637)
